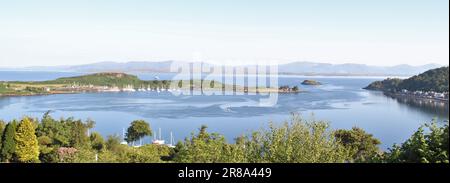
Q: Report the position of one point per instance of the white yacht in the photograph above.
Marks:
(171, 145)
(123, 137)
(158, 141)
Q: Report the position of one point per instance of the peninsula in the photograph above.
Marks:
(122, 82)
(430, 85)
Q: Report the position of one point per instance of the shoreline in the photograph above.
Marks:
(415, 97)
(238, 90)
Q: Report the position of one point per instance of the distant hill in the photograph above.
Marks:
(431, 80)
(120, 80)
(109, 67)
(353, 69)
(302, 68)
(98, 82)
(101, 79)
(124, 67)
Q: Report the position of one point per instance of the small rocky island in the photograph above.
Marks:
(288, 89)
(311, 82)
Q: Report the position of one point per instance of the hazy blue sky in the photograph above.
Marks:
(376, 32)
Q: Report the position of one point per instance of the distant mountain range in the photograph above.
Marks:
(302, 68)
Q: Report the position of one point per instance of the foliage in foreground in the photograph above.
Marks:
(27, 148)
(8, 145)
(422, 147)
(364, 146)
(297, 141)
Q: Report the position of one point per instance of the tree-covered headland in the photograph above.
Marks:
(435, 80)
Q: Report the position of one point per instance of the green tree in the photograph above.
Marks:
(27, 147)
(429, 144)
(147, 154)
(364, 145)
(203, 148)
(47, 150)
(2, 128)
(296, 142)
(8, 142)
(113, 143)
(299, 141)
(137, 130)
(78, 132)
(97, 141)
(58, 131)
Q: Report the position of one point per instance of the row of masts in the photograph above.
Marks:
(156, 141)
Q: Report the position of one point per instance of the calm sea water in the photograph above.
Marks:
(340, 101)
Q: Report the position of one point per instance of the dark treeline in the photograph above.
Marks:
(296, 141)
(433, 80)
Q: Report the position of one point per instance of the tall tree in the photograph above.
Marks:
(2, 128)
(8, 143)
(79, 132)
(97, 141)
(363, 144)
(113, 142)
(27, 147)
(137, 130)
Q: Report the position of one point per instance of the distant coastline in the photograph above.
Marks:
(121, 82)
(415, 97)
(431, 85)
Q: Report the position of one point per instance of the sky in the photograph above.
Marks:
(381, 32)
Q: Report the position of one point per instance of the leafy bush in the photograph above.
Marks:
(423, 147)
(363, 145)
(296, 142)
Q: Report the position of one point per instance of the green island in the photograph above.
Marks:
(297, 140)
(311, 82)
(432, 84)
(121, 82)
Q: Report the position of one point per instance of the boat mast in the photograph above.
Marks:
(123, 134)
(171, 138)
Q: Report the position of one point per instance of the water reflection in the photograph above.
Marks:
(433, 107)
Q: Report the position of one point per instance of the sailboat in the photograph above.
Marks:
(171, 141)
(123, 137)
(159, 141)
